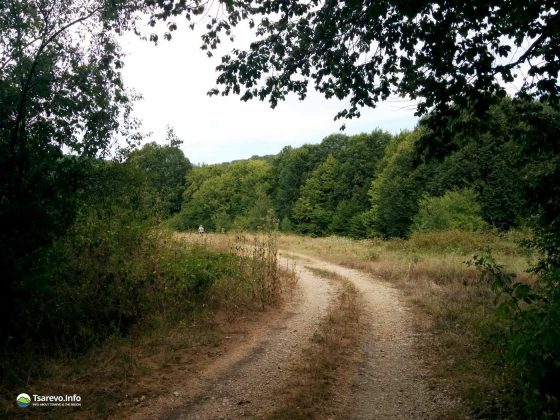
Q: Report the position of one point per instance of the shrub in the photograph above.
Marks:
(454, 210)
(532, 346)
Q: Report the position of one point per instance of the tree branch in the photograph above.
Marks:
(27, 83)
(551, 25)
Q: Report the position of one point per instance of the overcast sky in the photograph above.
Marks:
(174, 77)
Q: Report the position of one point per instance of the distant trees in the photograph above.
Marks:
(395, 191)
(314, 209)
(290, 168)
(226, 196)
(164, 169)
(453, 210)
(374, 184)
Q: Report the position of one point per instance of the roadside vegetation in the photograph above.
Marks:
(177, 298)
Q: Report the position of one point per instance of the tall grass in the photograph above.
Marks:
(176, 292)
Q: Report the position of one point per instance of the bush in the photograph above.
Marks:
(532, 346)
(454, 210)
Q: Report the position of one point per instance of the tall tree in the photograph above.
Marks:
(290, 168)
(223, 196)
(62, 101)
(395, 191)
(314, 208)
(165, 169)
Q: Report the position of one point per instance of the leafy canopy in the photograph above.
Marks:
(439, 52)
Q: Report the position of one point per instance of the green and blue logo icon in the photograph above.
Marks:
(23, 400)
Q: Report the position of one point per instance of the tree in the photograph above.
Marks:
(289, 171)
(395, 191)
(358, 164)
(314, 209)
(225, 196)
(172, 139)
(442, 53)
(165, 169)
(488, 158)
(62, 104)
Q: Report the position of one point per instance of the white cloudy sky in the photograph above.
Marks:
(173, 77)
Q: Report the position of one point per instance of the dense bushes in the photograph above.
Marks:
(115, 270)
(454, 210)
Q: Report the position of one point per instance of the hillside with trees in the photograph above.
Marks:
(378, 184)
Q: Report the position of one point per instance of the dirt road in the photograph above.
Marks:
(391, 381)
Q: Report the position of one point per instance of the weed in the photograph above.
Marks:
(182, 288)
(327, 363)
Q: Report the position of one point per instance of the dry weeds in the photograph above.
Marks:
(126, 371)
(320, 383)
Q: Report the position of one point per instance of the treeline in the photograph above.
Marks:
(378, 184)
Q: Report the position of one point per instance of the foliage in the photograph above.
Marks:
(85, 286)
(454, 210)
(533, 340)
(224, 197)
(62, 103)
(314, 209)
(486, 156)
(440, 53)
(165, 169)
(289, 171)
(394, 193)
(357, 159)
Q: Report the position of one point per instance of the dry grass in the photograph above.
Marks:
(320, 381)
(126, 370)
(450, 302)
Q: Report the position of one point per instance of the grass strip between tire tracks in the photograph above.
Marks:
(320, 382)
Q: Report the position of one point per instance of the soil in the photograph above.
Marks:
(242, 380)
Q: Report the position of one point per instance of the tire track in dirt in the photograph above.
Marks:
(243, 382)
(392, 381)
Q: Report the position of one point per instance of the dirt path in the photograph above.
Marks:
(392, 381)
(242, 382)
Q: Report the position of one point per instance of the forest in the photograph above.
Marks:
(378, 184)
(91, 212)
